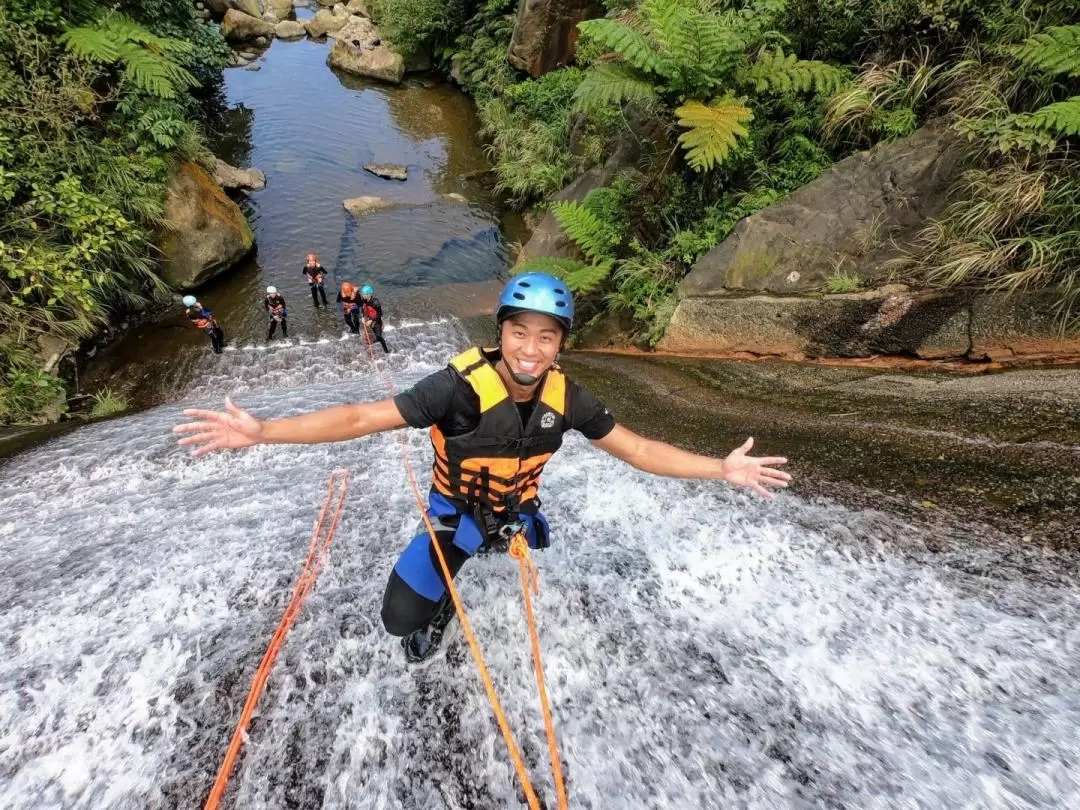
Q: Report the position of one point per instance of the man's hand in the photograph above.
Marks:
(233, 429)
(755, 473)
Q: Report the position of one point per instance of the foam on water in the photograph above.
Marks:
(703, 648)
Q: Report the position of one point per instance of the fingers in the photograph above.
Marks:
(213, 416)
(198, 438)
(230, 407)
(191, 427)
(779, 475)
(764, 493)
(208, 448)
(747, 445)
(770, 461)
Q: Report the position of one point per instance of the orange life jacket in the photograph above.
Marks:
(498, 464)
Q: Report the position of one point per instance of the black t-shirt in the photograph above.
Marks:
(446, 400)
(313, 273)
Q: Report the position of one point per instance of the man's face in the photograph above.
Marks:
(312, 261)
(530, 343)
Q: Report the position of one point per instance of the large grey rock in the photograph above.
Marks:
(227, 176)
(249, 7)
(545, 33)
(325, 22)
(289, 29)
(238, 26)
(359, 8)
(207, 232)
(388, 171)
(860, 213)
(281, 9)
(355, 51)
(219, 6)
(890, 321)
(361, 206)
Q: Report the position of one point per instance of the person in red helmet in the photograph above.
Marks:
(496, 415)
(349, 301)
(315, 275)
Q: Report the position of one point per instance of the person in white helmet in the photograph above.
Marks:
(202, 318)
(275, 311)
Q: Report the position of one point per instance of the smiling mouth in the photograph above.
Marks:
(527, 367)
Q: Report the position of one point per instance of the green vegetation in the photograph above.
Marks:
(755, 98)
(107, 403)
(95, 108)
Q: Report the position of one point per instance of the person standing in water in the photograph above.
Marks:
(315, 275)
(202, 318)
(495, 416)
(275, 311)
(371, 312)
(349, 302)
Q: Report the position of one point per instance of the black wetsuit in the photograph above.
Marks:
(350, 310)
(371, 310)
(315, 276)
(203, 319)
(275, 310)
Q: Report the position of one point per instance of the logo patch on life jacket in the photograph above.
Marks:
(547, 420)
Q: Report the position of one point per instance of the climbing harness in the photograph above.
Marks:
(519, 550)
(335, 493)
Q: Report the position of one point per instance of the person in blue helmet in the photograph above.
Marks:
(371, 314)
(496, 415)
(202, 318)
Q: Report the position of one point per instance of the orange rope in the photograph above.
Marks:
(474, 646)
(339, 480)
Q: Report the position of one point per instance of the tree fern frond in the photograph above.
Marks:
(552, 265)
(153, 73)
(1061, 119)
(596, 239)
(712, 130)
(91, 43)
(773, 70)
(606, 84)
(630, 45)
(588, 277)
(1055, 51)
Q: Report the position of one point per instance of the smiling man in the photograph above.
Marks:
(496, 417)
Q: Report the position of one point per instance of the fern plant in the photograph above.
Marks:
(697, 59)
(149, 62)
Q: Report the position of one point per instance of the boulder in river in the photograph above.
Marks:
(238, 26)
(289, 29)
(359, 8)
(359, 49)
(325, 22)
(389, 171)
(281, 9)
(249, 7)
(228, 176)
(360, 206)
(207, 232)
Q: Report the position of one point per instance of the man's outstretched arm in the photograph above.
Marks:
(234, 427)
(660, 458)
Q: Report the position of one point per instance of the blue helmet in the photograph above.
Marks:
(367, 289)
(537, 292)
(190, 300)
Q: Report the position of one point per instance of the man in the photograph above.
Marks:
(315, 274)
(203, 319)
(275, 311)
(496, 416)
(350, 306)
(371, 312)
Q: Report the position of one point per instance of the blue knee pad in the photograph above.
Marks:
(415, 568)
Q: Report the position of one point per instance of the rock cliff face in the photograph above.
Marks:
(207, 231)
(545, 33)
(857, 215)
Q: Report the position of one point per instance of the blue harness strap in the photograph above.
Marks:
(415, 565)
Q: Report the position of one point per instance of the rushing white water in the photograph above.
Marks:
(703, 648)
